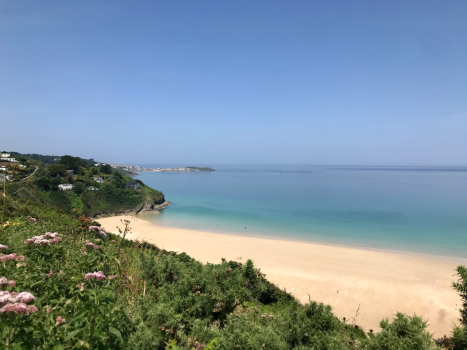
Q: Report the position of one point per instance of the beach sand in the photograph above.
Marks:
(376, 283)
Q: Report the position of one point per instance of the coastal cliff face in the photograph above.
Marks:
(154, 208)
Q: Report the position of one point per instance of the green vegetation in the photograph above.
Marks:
(46, 159)
(88, 196)
(95, 290)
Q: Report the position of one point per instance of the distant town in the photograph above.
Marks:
(136, 168)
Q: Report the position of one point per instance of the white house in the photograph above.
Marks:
(98, 179)
(65, 187)
(11, 160)
(4, 155)
(4, 177)
(92, 188)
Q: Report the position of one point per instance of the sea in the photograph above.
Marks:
(397, 208)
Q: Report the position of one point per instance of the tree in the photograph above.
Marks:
(73, 163)
(106, 169)
(56, 169)
(79, 187)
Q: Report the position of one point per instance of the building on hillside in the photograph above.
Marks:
(132, 185)
(65, 187)
(4, 177)
(4, 155)
(92, 188)
(98, 179)
(70, 172)
(11, 160)
(2, 168)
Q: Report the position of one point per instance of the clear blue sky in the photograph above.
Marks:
(208, 82)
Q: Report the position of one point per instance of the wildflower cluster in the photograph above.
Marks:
(34, 220)
(11, 256)
(4, 282)
(92, 245)
(7, 224)
(16, 302)
(94, 275)
(42, 240)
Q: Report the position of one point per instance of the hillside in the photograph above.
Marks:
(75, 183)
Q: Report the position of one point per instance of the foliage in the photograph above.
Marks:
(39, 157)
(56, 169)
(403, 333)
(106, 169)
(461, 287)
(111, 197)
(74, 163)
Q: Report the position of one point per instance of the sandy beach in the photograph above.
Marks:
(376, 283)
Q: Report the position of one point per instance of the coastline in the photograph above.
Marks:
(430, 256)
(377, 283)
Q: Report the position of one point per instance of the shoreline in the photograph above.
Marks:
(377, 283)
(430, 256)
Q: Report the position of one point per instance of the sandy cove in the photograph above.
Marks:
(381, 283)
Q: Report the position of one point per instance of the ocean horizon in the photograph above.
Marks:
(419, 209)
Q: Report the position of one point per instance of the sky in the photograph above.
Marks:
(236, 82)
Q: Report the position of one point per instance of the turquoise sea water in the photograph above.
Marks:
(415, 209)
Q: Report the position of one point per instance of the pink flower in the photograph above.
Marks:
(84, 253)
(113, 241)
(17, 308)
(25, 297)
(92, 245)
(94, 275)
(14, 294)
(3, 246)
(32, 308)
(50, 235)
(59, 320)
(11, 283)
(113, 277)
(40, 240)
(3, 281)
(8, 257)
(50, 274)
(20, 258)
(6, 297)
(48, 309)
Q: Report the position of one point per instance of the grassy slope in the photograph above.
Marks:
(111, 197)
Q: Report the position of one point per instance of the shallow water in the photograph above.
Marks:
(416, 209)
